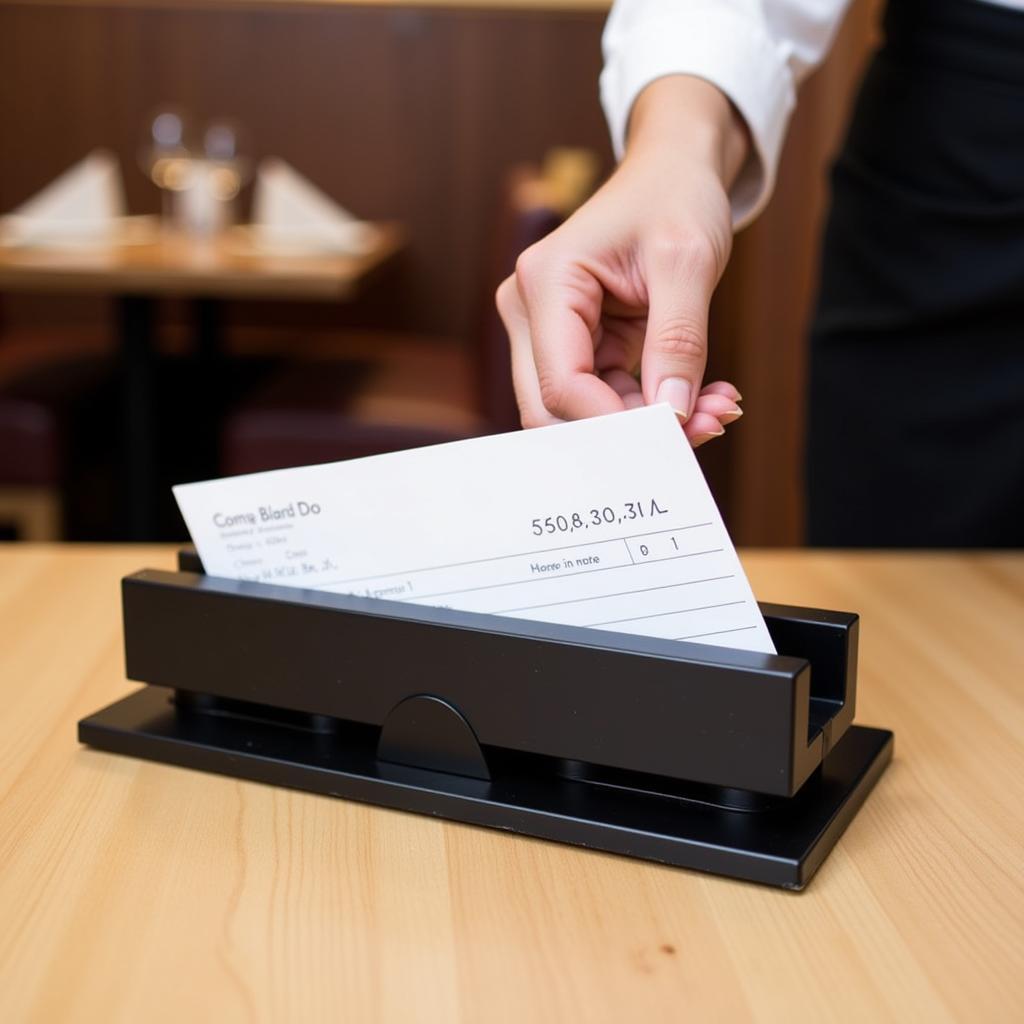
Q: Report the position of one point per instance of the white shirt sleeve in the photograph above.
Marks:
(755, 51)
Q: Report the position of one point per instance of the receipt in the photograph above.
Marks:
(606, 523)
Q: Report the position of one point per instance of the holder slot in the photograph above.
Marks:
(825, 638)
(726, 718)
(730, 762)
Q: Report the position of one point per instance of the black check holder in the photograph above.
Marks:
(737, 763)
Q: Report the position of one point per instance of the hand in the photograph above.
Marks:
(626, 282)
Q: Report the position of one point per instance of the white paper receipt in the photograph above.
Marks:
(606, 523)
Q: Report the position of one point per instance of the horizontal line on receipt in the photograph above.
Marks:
(670, 558)
(661, 615)
(621, 593)
(560, 576)
(715, 632)
(517, 554)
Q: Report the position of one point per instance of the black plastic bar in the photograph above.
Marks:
(827, 639)
(684, 711)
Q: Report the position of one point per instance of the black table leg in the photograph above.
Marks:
(209, 331)
(209, 388)
(138, 410)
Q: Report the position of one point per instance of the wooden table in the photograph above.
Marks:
(150, 264)
(223, 267)
(132, 891)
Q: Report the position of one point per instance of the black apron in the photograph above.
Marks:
(916, 387)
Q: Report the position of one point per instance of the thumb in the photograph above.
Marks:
(679, 286)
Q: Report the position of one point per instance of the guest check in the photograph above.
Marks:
(606, 523)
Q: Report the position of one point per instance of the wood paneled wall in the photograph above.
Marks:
(401, 113)
(413, 113)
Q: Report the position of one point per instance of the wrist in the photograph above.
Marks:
(688, 117)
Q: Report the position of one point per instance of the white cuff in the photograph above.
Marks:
(726, 50)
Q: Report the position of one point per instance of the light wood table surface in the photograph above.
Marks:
(132, 891)
(224, 267)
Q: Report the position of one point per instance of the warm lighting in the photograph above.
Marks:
(171, 173)
(224, 183)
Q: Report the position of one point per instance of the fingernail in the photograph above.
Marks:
(731, 416)
(739, 397)
(698, 439)
(676, 392)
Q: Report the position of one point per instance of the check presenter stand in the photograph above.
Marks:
(737, 763)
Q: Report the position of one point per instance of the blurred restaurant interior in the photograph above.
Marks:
(279, 230)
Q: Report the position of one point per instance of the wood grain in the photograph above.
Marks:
(133, 891)
(221, 267)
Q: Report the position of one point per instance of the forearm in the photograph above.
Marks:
(687, 116)
(754, 51)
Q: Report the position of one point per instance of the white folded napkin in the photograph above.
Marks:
(84, 204)
(290, 212)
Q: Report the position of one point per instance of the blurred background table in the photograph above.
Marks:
(137, 891)
(223, 267)
(151, 264)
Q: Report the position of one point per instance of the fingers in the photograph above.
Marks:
(724, 409)
(712, 412)
(626, 386)
(702, 427)
(563, 307)
(524, 373)
(681, 276)
(716, 406)
(569, 361)
(722, 387)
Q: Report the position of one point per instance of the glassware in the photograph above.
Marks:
(166, 155)
(199, 177)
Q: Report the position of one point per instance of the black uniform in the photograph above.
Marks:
(916, 425)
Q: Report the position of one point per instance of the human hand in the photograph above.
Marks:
(626, 282)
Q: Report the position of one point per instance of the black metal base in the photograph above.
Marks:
(776, 841)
